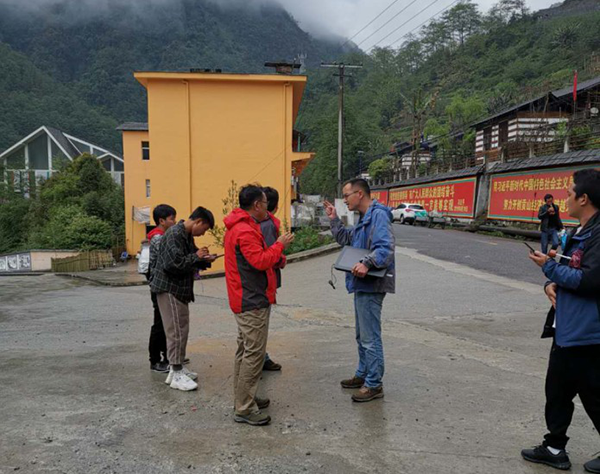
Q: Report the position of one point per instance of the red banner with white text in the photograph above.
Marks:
(381, 195)
(454, 198)
(518, 196)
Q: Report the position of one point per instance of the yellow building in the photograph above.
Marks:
(204, 131)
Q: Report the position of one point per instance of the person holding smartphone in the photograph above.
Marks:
(573, 288)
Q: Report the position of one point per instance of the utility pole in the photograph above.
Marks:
(341, 67)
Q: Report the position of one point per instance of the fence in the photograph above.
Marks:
(89, 260)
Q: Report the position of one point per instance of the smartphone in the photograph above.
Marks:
(220, 255)
(532, 250)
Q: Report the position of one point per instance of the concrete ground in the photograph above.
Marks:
(463, 386)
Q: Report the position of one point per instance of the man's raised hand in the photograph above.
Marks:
(286, 239)
(330, 210)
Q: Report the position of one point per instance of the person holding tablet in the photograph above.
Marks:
(373, 232)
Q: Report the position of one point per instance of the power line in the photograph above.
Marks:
(407, 21)
(420, 25)
(386, 23)
(368, 24)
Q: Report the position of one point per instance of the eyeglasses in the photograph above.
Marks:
(346, 196)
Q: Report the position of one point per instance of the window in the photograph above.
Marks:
(118, 165)
(16, 161)
(503, 133)
(38, 153)
(487, 138)
(416, 206)
(145, 150)
(147, 188)
(401, 206)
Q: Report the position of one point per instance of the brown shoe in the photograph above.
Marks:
(366, 394)
(354, 382)
(262, 403)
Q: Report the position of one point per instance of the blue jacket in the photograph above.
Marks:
(374, 232)
(578, 296)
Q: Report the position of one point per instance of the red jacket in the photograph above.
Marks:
(249, 264)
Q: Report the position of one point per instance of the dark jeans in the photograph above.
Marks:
(157, 347)
(550, 235)
(571, 371)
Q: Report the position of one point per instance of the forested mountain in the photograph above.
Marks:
(462, 66)
(69, 63)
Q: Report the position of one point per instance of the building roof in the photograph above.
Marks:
(559, 159)
(473, 171)
(581, 86)
(133, 127)
(514, 108)
(63, 141)
(557, 94)
(297, 81)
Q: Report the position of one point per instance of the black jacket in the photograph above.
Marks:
(176, 264)
(545, 217)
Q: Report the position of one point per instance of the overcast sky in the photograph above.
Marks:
(346, 17)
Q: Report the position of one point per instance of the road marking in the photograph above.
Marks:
(486, 242)
(464, 270)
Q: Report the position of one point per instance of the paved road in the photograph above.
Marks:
(464, 377)
(497, 255)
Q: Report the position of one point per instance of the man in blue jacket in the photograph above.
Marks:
(373, 232)
(573, 287)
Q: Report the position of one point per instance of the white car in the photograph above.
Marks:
(407, 213)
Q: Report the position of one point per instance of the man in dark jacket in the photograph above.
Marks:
(173, 282)
(270, 231)
(373, 232)
(164, 217)
(251, 287)
(549, 215)
(573, 287)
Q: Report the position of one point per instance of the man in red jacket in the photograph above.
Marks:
(251, 287)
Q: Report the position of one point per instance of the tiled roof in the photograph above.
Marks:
(580, 87)
(474, 171)
(133, 127)
(560, 159)
(64, 142)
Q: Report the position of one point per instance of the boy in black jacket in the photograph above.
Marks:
(173, 282)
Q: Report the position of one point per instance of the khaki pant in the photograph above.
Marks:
(253, 329)
(176, 321)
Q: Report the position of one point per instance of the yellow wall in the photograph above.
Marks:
(136, 173)
(204, 132)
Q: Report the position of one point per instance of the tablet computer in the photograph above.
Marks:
(350, 256)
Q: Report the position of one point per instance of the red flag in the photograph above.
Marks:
(575, 87)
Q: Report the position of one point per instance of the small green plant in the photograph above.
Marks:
(230, 202)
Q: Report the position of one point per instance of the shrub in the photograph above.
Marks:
(308, 238)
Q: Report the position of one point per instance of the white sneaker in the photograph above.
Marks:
(169, 378)
(189, 373)
(183, 382)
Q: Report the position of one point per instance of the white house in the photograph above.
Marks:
(47, 150)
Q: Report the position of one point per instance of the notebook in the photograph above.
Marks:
(350, 256)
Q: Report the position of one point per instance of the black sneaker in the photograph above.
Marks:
(542, 455)
(593, 465)
(271, 365)
(159, 367)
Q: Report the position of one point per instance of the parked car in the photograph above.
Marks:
(407, 213)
